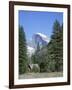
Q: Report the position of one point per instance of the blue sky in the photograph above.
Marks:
(38, 22)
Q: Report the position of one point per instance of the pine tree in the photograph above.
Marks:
(22, 51)
(61, 49)
(55, 48)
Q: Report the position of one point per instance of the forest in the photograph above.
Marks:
(45, 59)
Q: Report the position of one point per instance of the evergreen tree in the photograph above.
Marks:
(61, 49)
(55, 48)
(22, 51)
(40, 58)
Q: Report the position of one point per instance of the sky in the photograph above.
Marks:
(38, 22)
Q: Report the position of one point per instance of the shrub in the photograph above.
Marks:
(43, 67)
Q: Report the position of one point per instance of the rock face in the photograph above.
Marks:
(40, 39)
(37, 38)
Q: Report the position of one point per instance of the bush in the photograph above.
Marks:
(43, 67)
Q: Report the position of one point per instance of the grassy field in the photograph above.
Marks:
(40, 75)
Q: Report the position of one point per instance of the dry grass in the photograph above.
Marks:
(40, 75)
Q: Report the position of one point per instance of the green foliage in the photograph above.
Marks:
(22, 51)
(40, 58)
(43, 67)
(33, 59)
(55, 48)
